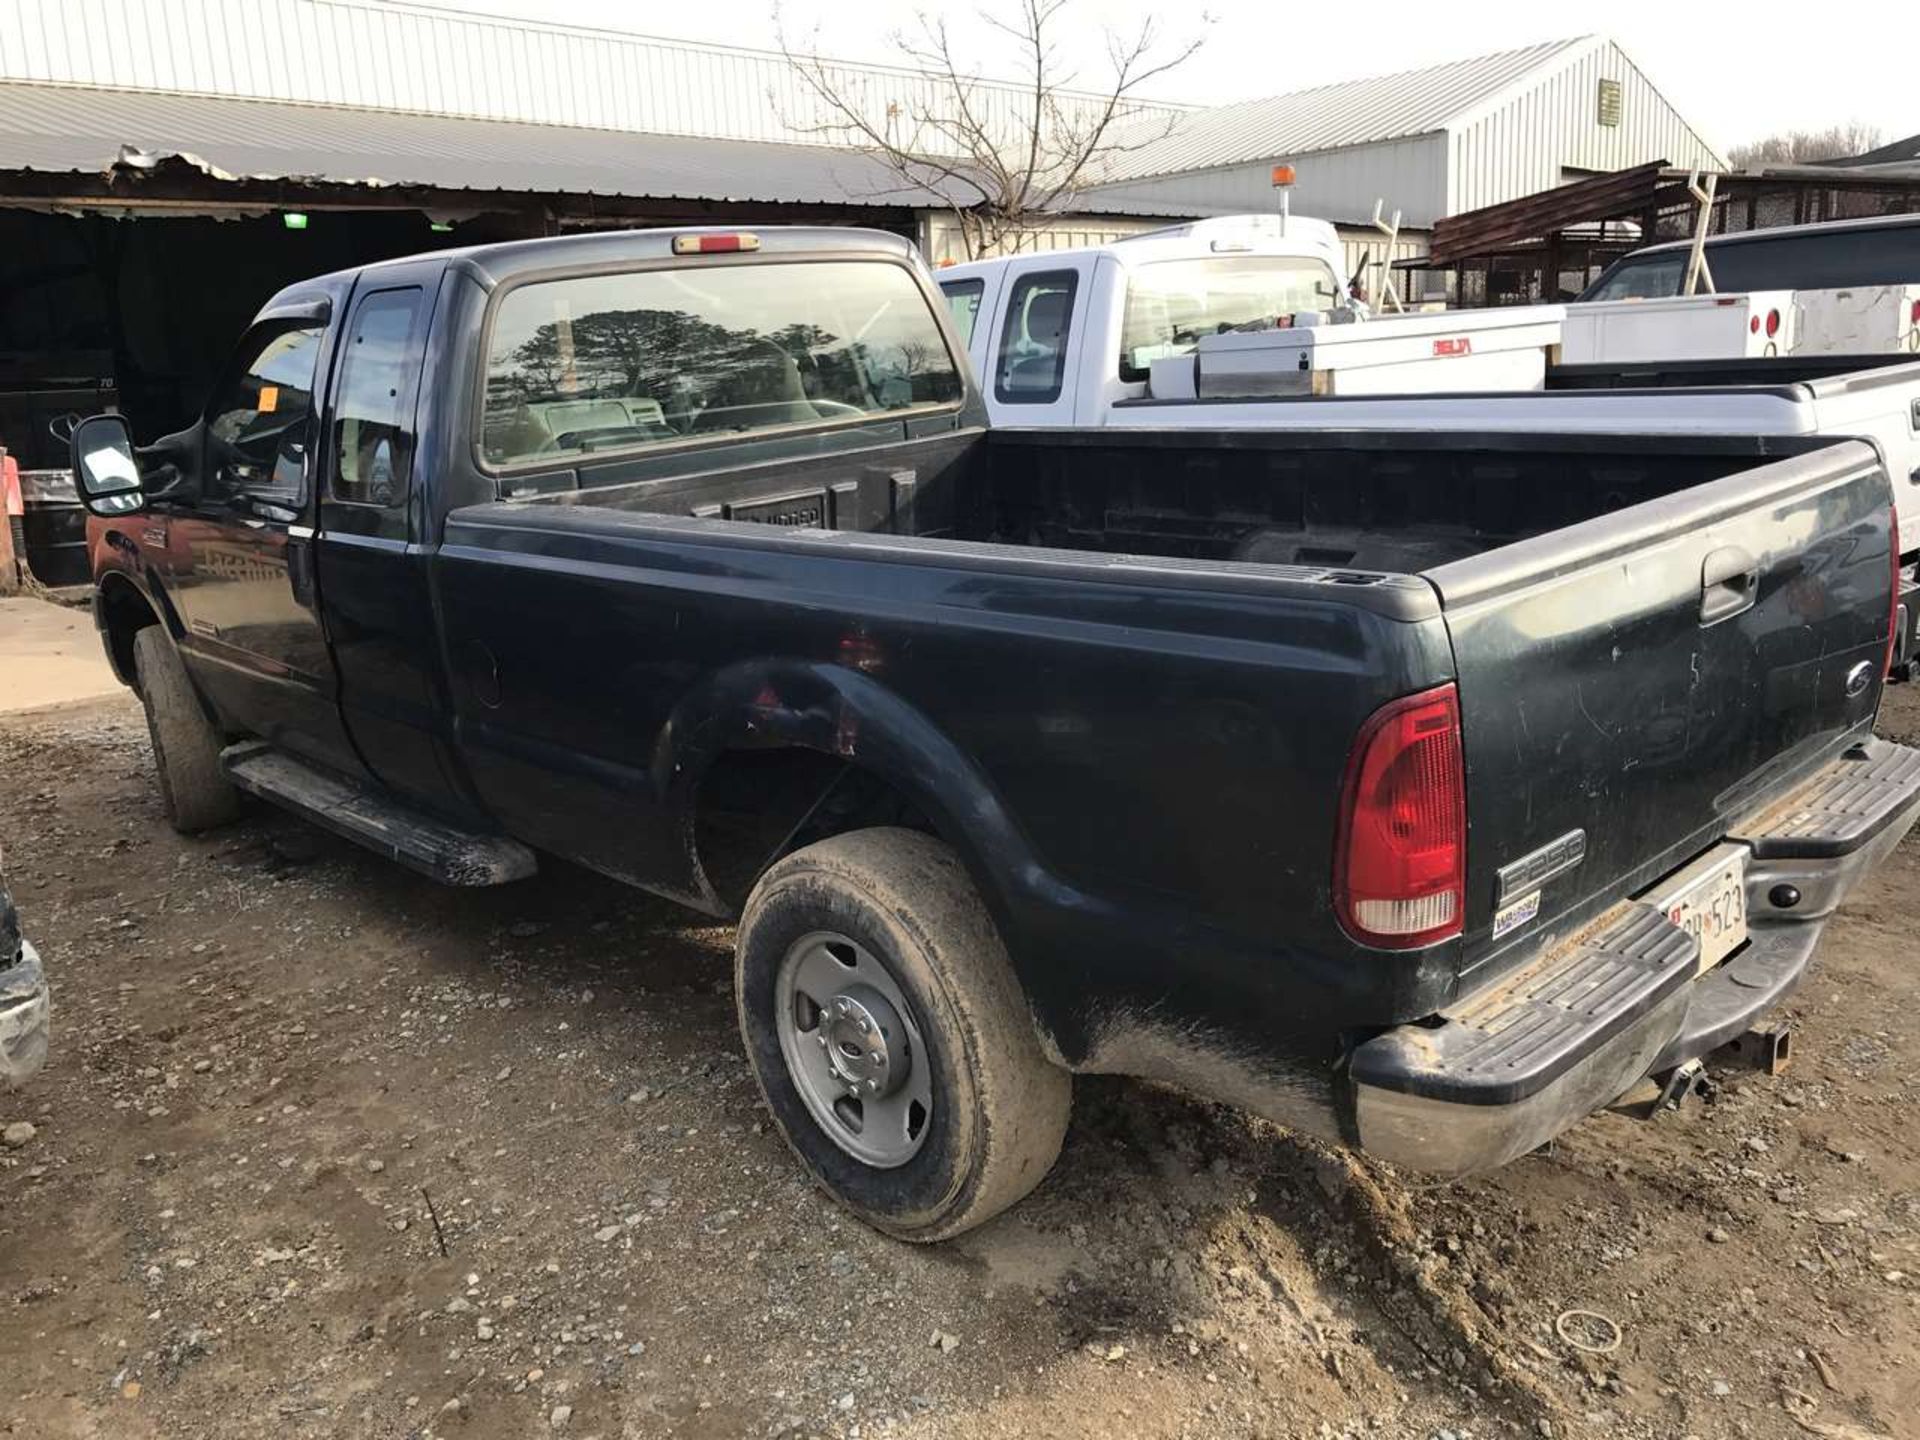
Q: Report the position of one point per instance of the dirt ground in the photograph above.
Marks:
(326, 1150)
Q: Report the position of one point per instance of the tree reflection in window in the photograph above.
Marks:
(611, 362)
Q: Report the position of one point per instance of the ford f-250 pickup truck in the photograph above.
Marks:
(1020, 753)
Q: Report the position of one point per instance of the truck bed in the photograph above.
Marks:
(1046, 613)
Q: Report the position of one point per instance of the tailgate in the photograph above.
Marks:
(1633, 684)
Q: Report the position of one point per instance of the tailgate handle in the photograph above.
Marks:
(1729, 580)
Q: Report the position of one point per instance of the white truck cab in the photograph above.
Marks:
(1059, 337)
(1241, 307)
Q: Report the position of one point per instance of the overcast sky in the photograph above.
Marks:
(1736, 71)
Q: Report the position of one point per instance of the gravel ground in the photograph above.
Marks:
(326, 1150)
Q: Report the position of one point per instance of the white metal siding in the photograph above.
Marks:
(390, 57)
(941, 241)
(1530, 142)
(1370, 245)
(1336, 185)
(1339, 116)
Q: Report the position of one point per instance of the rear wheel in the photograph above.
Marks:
(186, 748)
(890, 1035)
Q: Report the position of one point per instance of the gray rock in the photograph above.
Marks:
(20, 1133)
(560, 1416)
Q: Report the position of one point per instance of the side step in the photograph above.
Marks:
(421, 842)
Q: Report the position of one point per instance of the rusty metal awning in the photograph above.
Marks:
(1517, 222)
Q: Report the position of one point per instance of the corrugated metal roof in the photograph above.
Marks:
(389, 55)
(71, 130)
(1353, 112)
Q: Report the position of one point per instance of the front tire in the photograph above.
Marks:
(891, 1037)
(186, 748)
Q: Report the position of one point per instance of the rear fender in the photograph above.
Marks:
(837, 711)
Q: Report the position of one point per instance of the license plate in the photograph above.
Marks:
(1708, 900)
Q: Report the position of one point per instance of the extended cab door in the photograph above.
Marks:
(236, 547)
(1029, 374)
(973, 304)
(372, 559)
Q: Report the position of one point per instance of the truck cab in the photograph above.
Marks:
(1060, 337)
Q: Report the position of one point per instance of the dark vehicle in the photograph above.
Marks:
(24, 1005)
(1875, 250)
(1424, 791)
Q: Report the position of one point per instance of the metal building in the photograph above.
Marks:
(393, 56)
(1429, 142)
(167, 164)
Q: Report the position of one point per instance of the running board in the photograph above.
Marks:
(421, 842)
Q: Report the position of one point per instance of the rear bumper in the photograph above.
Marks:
(1507, 1069)
(24, 1017)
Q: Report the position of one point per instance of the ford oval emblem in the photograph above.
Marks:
(1859, 678)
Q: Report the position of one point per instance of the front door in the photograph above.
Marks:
(240, 546)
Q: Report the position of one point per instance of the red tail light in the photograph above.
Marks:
(1400, 862)
(1753, 326)
(1773, 323)
(1914, 313)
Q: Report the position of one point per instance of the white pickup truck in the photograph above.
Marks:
(1242, 305)
(1072, 338)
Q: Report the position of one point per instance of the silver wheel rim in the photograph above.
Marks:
(853, 1050)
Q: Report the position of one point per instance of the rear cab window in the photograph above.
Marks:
(606, 364)
(1888, 255)
(1816, 260)
(1172, 303)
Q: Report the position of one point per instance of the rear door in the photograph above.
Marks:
(1030, 374)
(1632, 685)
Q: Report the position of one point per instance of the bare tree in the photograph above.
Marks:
(1002, 171)
(1806, 147)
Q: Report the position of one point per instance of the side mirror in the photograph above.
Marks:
(104, 470)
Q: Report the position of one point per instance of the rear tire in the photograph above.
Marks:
(996, 1109)
(186, 748)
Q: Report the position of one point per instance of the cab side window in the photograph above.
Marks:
(372, 440)
(259, 423)
(1033, 345)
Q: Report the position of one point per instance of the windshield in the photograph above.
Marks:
(1172, 303)
(601, 363)
(1654, 278)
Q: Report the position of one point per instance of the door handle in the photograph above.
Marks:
(299, 554)
(1729, 582)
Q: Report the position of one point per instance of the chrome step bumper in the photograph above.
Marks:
(1508, 1068)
